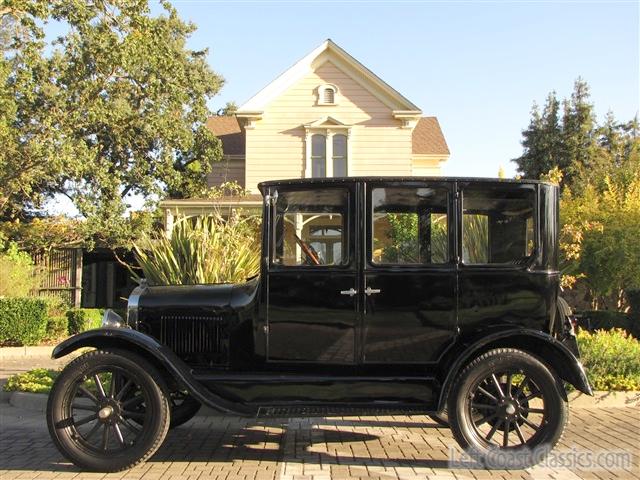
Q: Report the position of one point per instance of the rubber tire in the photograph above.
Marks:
(148, 378)
(184, 412)
(555, 403)
(441, 418)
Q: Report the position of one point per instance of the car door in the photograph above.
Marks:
(410, 273)
(312, 303)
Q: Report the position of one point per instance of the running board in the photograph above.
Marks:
(338, 411)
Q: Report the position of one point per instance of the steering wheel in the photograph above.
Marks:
(308, 250)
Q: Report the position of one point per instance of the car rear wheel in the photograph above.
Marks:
(108, 411)
(507, 409)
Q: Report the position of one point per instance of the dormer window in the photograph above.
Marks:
(327, 94)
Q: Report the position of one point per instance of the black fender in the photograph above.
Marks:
(150, 348)
(550, 351)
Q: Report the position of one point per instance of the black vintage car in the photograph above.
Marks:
(434, 296)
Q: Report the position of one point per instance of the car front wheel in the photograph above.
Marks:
(108, 411)
(507, 409)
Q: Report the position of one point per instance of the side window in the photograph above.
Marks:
(310, 228)
(498, 225)
(409, 225)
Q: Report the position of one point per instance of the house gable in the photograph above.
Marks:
(328, 51)
(328, 96)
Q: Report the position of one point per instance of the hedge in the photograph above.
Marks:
(593, 320)
(23, 321)
(633, 297)
(611, 359)
(81, 319)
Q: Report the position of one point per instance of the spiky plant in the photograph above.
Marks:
(202, 250)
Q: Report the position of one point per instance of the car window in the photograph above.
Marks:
(409, 225)
(310, 228)
(498, 225)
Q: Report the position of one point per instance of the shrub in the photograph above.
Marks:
(57, 326)
(23, 321)
(633, 297)
(19, 275)
(611, 358)
(57, 323)
(202, 250)
(81, 319)
(593, 320)
(38, 380)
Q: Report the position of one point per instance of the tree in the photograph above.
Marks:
(230, 108)
(565, 143)
(117, 108)
(542, 141)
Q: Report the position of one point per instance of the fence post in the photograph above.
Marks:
(77, 283)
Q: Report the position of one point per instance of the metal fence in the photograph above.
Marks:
(61, 274)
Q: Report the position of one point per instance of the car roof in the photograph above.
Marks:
(334, 180)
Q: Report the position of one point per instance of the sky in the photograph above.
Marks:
(477, 66)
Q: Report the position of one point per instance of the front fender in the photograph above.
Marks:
(542, 345)
(149, 347)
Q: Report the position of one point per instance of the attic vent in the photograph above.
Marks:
(327, 95)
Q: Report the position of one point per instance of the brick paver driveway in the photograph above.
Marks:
(318, 449)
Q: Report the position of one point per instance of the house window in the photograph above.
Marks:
(318, 156)
(340, 155)
(327, 95)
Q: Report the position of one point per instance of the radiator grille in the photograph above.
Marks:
(197, 338)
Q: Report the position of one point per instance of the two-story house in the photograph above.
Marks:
(327, 115)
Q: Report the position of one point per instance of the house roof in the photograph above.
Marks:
(230, 133)
(427, 138)
(327, 50)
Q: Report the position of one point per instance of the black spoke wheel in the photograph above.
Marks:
(509, 409)
(107, 411)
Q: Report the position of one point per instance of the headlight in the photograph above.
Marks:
(112, 319)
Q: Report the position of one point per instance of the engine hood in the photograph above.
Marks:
(215, 299)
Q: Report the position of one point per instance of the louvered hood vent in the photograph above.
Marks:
(196, 339)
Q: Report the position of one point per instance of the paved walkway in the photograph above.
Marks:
(320, 449)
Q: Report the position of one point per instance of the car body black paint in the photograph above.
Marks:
(290, 338)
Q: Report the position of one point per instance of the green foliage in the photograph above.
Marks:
(607, 320)
(633, 299)
(20, 277)
(404, 239)
(600, 242)
(57, 322)
(230, 108)
(611, 359)
(38, 380)
(23, 321)
(202, 250)
(475, 238)
(113, 107)
(599, 169)
(81, 319)
(57, 326)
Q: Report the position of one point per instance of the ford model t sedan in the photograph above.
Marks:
(436, 296)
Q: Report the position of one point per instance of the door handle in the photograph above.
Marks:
(371, 291)
(351, 292)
